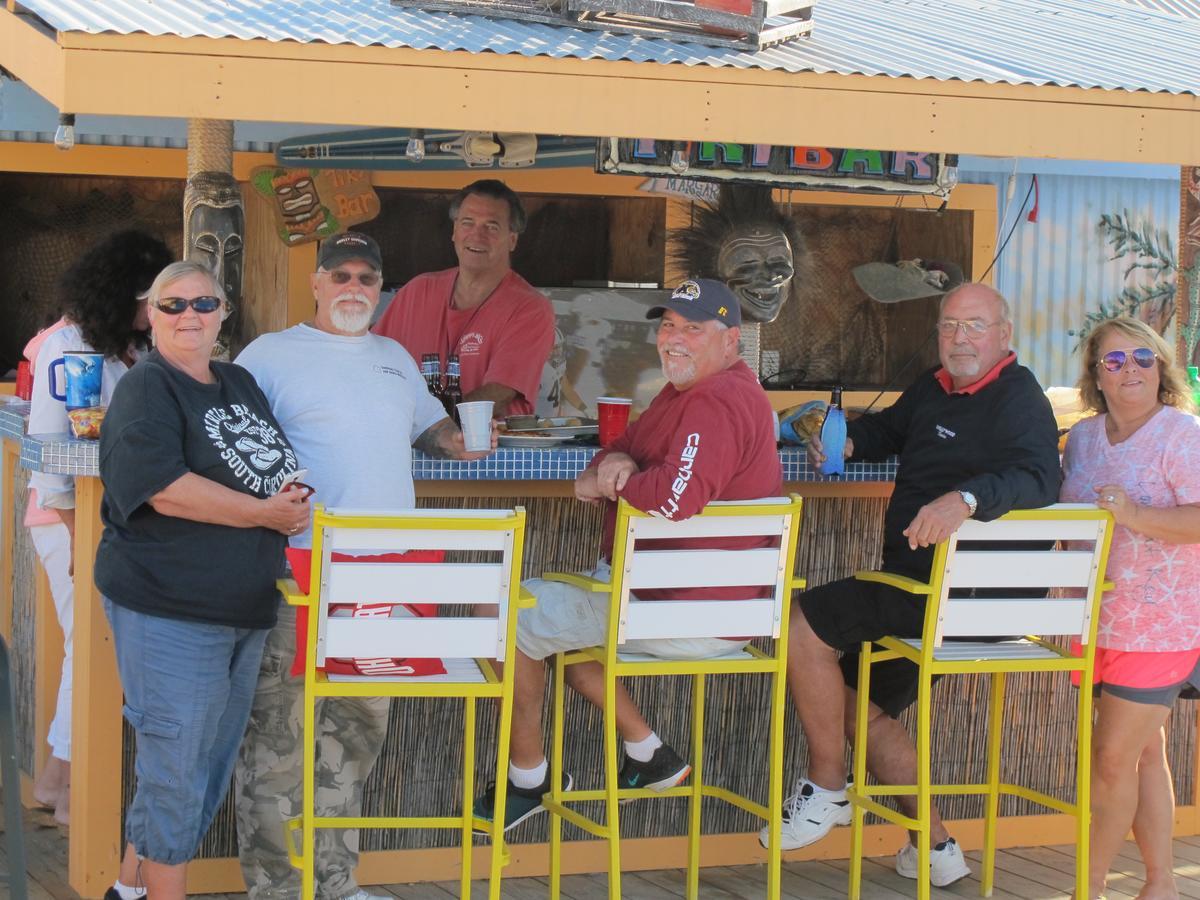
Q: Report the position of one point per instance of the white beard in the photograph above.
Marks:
(350, 321)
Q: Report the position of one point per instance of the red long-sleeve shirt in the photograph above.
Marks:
(714, 441)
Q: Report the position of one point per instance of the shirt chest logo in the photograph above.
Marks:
(470, 344)
(250, 446)
(945, 433)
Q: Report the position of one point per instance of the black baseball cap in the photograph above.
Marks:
(701, 299)
(349, 245)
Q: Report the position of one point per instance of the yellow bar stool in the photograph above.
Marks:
(775, 519)
(467, 644)
(966, 599)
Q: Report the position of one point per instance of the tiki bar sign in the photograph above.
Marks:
(810, 168)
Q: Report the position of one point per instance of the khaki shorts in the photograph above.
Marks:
(570, 618)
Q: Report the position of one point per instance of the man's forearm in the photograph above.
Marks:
(438, 440)
(501, 395)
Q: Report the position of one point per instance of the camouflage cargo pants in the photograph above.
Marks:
(269, 775)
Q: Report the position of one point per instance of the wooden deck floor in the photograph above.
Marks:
(1035, 873)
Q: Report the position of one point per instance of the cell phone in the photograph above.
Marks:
(293, 478)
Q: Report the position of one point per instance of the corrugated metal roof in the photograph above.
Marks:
(1189, 8)
(1095, 44)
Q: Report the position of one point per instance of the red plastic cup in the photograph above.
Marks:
(24, 388)
(613, 413)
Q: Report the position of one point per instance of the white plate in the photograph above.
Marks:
(533, 440)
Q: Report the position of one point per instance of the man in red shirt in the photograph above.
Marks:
(708, 435)
(501, 328)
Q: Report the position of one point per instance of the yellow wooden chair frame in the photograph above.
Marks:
(924, 654)
(494, 685)
(773, 664)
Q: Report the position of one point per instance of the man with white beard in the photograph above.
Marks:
(352, 404)
(708, 435)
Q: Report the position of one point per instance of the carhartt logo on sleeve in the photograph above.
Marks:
(687, 458)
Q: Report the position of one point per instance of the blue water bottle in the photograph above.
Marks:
(833, 436)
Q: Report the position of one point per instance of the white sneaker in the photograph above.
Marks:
(809, 814)
(946, 865)
(360, 894)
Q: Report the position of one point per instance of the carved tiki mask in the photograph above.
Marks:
(214, 225)
(746, 242)
(756, 262)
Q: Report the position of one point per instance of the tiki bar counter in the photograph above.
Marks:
(840, 533)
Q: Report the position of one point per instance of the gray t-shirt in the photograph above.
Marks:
(352, 407)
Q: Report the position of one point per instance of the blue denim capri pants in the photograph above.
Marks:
(188, 689)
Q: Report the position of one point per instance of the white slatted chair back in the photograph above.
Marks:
(497, 534)
(771, 518)
(1070, 568)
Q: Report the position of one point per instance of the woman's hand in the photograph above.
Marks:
(1113, 498)
(287, 512)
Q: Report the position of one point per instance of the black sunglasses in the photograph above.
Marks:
(1114, 360)
(173, 306)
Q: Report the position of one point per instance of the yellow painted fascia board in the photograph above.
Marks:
(278, 81)
(32, 55)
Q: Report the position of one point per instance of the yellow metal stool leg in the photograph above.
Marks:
(308, 810)
(695, 801)
(500, 852)
(924, 794)
(857, 821)
(775, 785)
(612, 817)
(987, 877)
(556, 770)
(1083, 786)
(468, 780)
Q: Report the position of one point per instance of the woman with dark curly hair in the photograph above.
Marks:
(101, 298)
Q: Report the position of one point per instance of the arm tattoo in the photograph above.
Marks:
(436, 440)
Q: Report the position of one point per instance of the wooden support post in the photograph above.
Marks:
(8, 510)
(96, 841)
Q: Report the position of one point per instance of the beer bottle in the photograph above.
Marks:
(453, 395)
(431, 371)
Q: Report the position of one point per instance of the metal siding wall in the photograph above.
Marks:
(1058, 269)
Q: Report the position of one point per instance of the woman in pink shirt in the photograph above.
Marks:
(1139, 458)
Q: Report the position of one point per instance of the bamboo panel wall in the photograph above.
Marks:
(418, 770)
(24, 588)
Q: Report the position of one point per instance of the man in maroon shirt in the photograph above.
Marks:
(500, 328)
(708, 435)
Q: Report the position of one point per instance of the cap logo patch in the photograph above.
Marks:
(689, 290)
(722, 310)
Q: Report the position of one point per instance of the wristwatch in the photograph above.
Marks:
(969, 499)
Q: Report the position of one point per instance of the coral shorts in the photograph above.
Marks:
(1143, 677)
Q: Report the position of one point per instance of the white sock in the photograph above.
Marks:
(528, 778)
(643, 750)
(128, 893)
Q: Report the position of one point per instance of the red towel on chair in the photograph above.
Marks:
(301, 562)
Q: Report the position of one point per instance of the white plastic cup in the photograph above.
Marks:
(476, 419)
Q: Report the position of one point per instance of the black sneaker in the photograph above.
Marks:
(520, 804)
(664, 770)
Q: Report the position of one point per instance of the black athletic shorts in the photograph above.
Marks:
(847, 612)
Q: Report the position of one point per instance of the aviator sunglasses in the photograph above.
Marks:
(1114, 360)
(341, 276)
(173, 306)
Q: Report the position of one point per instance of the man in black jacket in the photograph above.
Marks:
(976, 438)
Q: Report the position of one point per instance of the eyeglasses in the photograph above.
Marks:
(972, 328)
(341, 276)
(173, 306)
(1114, 360)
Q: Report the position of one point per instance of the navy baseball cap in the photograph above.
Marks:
(701, 299)
(347, 246)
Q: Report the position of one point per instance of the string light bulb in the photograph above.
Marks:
(414, 150)
(64, 135)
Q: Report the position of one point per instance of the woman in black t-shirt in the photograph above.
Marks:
(194, 529)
